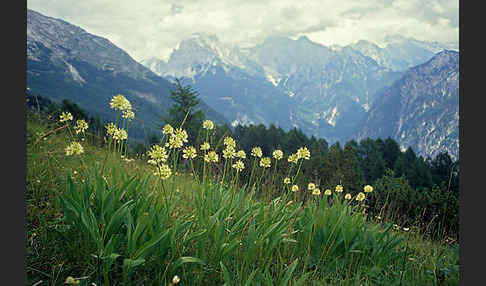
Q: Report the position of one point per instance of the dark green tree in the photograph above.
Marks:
(185, 111)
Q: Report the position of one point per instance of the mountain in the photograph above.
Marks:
(66, 62)
(290, 83)
(421, 109)
(400, 53)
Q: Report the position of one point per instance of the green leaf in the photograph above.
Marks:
(289, 272)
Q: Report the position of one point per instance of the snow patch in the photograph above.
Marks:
(75, 74)
(271, 79)
(332, 119)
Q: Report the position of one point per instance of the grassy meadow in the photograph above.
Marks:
(185, 215)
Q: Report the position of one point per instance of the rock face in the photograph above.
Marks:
(66, 62)
(421, 109)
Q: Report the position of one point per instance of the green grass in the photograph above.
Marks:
(103, 220)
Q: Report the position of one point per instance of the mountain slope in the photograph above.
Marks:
(421, 109)
(65, 61)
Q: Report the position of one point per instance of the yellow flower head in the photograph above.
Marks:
(327, 192)
(287, 180)
(110, 128)
(74, 149)
(181, 134)
(295, 188)
(229, 142)
(360, 197)
(239, 165)
(208, 124)
(65, 116)
(277, 154)
(189, 153)
(176, 279)
(157, 154)
(368, 189)
(167, 129)
(257, 152)
(212, 156)
(311, 186)
(347, 196)
(316, 192)
(205, 146)
(81, 126)
(241, 154)
(303, 153)
(293, 158)
(71, 280)
(229, 152)
(265, 162)
(120, 134)
(120, 102)
(339, 188)
(128, 114)
(163, 171)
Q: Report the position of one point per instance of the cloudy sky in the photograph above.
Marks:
(152, 28)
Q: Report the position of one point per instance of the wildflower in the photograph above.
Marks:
(181, 134)
(240, 154)
(293, 158)
(256, 152)
(189, 153)
(157, 155)
(290, 202)
(176, 279)
(347, 196)
(339, 188)
(205, 146)
(167, 129)
(81, 126)
(211, 157)
(120, 102)
(311, 186)
(71, 280)
(120, 134)
(175, 142)
(361, 196)
(229, 142)
(229, 152)
(239, 165)
(74, 149)
(65, 117)
(163, 171)
(327, 192)
(368, 189)
(295, 188)
(208, 124)
(128, 114)
(406, 228)
(303, 153)
(277, 154)
(316, 192)
(287, 180)
(265, 162)
(110, 128)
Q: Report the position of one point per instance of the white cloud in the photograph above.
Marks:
(147, 28)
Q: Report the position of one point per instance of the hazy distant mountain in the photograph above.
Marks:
(421, 109)
(66, 62)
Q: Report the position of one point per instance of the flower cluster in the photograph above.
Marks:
(65, 116)
(177, 138)
(81, 126)
(240, 154)
(120, 134)
(205, 146)
(361, 196)
(257, 152)
(239, 165)
(303, 153)
(74, 149)
(265, 162)
(189, 152)
(208, 124)
(163, 171)
(157, 155)
(168, 129)
(277, 154)
(368, 189)
(120, 102)
(211, 156)
(339, 189)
